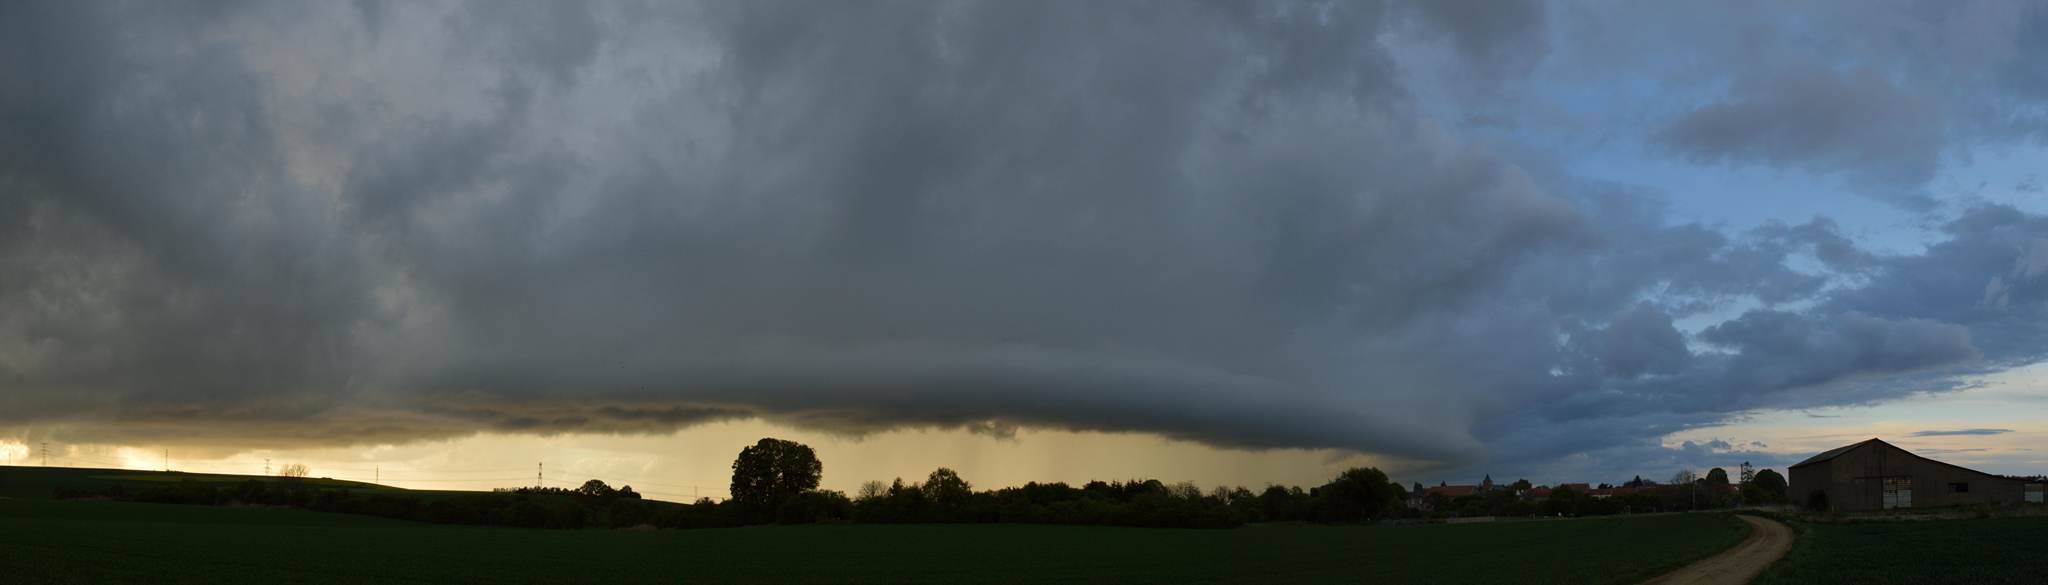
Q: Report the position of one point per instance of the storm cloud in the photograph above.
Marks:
(1240, 224)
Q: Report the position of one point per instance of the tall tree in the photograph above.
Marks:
(1717, 477)
(595, 488)
(773, 471)
(1771, 484)
(945, 487)
(1357, 495)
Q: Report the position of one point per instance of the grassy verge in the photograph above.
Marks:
(108, 542)
(1998, 550)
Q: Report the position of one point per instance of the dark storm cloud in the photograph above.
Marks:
(1878, 93)
(1854, 122)
(1229, 223)
(1961, 432)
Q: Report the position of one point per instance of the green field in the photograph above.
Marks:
(42, 482)
(2000, 550)
(49, 541)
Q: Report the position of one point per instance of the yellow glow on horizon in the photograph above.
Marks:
(696, 462)
(14, 453)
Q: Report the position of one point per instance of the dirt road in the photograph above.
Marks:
(1770, 540)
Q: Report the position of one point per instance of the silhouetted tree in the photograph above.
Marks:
(596, 488)
(945, 487)
(1358, 495)
(1521, 485)
(1770, 485)
(1563, 501)
(1717, 477)
(294, 470)
(771, 472)
(871, 489)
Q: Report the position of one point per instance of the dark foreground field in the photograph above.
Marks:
(2002, 550)
(46, 541)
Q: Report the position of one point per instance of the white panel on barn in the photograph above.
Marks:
(1898, 492)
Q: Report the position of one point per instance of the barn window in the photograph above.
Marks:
(1959, 488)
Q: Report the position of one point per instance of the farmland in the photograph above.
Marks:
(1998, 550)
(48, 541)
(42, 482)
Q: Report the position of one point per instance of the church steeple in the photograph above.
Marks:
(1486, 485)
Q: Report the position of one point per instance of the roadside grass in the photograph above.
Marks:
(1989, 551)
(50, 541)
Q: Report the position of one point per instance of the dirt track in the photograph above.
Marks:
(1769, 541)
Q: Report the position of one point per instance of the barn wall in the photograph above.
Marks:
(1806, 479)
(1854, 480)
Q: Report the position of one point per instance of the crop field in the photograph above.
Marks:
(51, 541)
(1999, 550)
(41, 482)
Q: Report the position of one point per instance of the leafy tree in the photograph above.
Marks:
(1562, 501)
(1521, 485)
(945, 487)
(1359, 494)
(1771, 485)
(1717, 477)
(1282, 504)
(596, 488)
(1417, 490)
(813, 506)
(771, 472)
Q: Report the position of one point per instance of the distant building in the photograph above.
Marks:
(1452, 491)
(1875, 475)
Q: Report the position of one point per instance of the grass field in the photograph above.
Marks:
(49, 541)
(2000, 550)
(41, 482)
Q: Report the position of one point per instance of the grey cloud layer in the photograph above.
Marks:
(1230, 223)
(1961, 432)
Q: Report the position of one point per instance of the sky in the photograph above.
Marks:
(443, 244)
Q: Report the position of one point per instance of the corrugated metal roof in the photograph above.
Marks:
(1833, 453)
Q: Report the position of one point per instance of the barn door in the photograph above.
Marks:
(1898, 492)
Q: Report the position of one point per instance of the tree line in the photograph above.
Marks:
(1684, 492)
(776, 482)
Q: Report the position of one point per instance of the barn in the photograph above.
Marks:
(1875, 475)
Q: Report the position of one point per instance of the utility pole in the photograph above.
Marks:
(167, 460)
(46, 453)
(379, 471)
(540, 474)
(266, 466)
